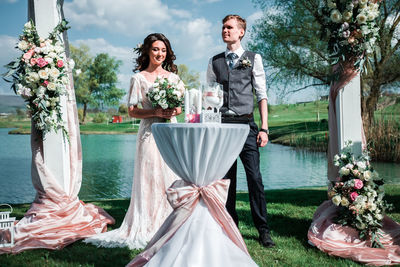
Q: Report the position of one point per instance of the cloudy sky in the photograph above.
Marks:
(116, 26)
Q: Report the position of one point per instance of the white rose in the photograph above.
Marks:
(162, 102)
(336, 200)
(54, 73)
(347, 15)
(162, 93)
(52, 55)
(336, 157)
(23, 45)
(177, 93)
(165, 106)
(49, 60)
(379, 216)
(156, 97)
(344, 171)
(336, 16)
(32, 77)
(345, 202)
(343, 156)
(349, 166)
(363, 2)
(331, 4)
(58, 49)
(367, 175)
(44, 50)
(51, 86)
(44, 74)
(361, 165)
(372, 206)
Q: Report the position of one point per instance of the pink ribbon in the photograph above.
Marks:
(184, 197)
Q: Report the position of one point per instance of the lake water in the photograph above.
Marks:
(108, 167)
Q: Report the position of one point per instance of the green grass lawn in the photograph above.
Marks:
(289, 213)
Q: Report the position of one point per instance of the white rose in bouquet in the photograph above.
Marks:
(54, 73)
(23, 45)
(32, 77)
(51, 86)
(344, 171)
(336, 16)
(336, 200)
(44, 73)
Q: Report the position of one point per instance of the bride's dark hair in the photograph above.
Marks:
(142, 62)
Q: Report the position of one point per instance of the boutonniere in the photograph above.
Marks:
(245, 63)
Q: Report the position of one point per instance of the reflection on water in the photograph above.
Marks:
(108, 162)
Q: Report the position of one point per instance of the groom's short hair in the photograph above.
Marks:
(240, 21)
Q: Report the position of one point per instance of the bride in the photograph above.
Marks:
(148, 206)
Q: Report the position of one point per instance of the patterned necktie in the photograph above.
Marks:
(231, 59)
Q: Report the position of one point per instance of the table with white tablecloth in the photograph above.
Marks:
(199, 232)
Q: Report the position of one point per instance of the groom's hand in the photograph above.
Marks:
(262, 139)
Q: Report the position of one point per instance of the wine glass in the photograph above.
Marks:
(213, 97)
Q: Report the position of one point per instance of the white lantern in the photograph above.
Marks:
(6, 225)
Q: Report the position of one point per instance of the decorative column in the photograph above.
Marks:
(46, 14)
(348, 116)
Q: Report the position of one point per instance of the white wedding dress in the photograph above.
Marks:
(148, 206)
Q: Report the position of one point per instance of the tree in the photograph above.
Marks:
(83, 61)
(288, 38)
(95, 79)
(189, 77)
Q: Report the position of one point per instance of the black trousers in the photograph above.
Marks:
(250, 157)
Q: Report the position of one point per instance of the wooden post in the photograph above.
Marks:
(348, 116)
(46, 14)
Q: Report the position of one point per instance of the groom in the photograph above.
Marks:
(241, 72)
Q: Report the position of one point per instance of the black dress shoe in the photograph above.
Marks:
(265, 240)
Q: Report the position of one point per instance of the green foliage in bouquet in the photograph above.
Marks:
(359, 194)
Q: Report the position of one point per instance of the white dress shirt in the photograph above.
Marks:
(259, 82)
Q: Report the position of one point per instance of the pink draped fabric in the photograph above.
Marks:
(184, 197)
(56, 219)
(343, 241)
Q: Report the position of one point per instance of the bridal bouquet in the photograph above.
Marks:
(39, 76)
(351, 29)
(359, 194)
(165, 94)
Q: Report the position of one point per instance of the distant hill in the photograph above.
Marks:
(9, 103)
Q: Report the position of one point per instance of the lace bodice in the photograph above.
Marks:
(139, 87)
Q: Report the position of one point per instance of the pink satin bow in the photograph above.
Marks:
(184, 197)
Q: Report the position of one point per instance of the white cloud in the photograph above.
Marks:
(123, 16)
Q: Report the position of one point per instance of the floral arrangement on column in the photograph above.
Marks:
(350, 28)
(359, 195)
(39, 76)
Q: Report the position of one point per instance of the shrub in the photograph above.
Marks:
(123, 109)
(100, 117)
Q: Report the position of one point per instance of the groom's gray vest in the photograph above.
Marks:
(237, 83)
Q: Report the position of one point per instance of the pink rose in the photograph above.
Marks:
(46, 82)
(29, 54)
(60, 63)
(41, 62)
(33, 61)
(358, 184)
(353, 196)
(42, 44)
